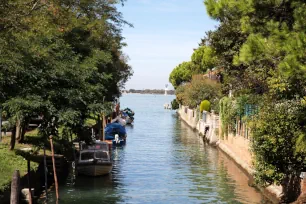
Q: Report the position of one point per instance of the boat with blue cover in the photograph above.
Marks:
(116, 133)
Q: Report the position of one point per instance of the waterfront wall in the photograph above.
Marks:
(207, 124)
(236, 146)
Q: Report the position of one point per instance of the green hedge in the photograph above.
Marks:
(205, 106)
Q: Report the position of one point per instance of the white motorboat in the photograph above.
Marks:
(95, 159)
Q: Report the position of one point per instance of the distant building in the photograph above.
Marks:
(215, 74)
(166, 89)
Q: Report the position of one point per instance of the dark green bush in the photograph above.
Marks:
(174, 104)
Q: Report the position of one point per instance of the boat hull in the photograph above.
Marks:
(95, 169)
(129, 121)
(119, 143)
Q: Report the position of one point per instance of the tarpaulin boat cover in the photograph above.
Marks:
(114, 128)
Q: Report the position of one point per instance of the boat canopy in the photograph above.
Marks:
(102, 146)
(91, 155)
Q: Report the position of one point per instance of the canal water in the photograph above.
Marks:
(164, 161)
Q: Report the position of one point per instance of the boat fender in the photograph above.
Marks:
(117, 138)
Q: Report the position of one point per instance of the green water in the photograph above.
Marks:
(164, 161)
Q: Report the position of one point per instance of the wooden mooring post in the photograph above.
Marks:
(54, 169)
(29, 182)
(15, 188)
(46, 176)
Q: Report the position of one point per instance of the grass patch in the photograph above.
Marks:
(15, 160)
(32, 133)
(9, 162)
(62, 145)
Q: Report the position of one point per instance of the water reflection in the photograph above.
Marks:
(214, 173)
(164, 161)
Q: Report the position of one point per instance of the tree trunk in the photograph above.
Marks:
(99, 127)
(13, 139)
(15, 188)
(54, 170)
(291, 188)
(302, 198)
(18, 129)
(22, 132)
(29, 182)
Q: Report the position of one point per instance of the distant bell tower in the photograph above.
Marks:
(166, 89)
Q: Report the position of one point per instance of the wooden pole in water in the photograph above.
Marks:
(103, 127)
(29, 182)
(15, 188)
(99, 127)
(0, 123)
(45, 171)
(54, 169)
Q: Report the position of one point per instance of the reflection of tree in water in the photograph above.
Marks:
(225, 185)
(207, 171)
(94, 190)
(210, 178)
(211, 182)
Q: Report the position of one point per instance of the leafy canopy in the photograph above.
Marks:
(60, 59)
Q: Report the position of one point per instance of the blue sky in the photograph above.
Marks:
(164, 35)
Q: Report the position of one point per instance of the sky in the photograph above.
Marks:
(164, 35)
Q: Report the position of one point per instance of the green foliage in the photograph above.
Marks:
(261, 47)
(62, 60)
(202, 59)
(278, 132)
(182, 73)
(265, 40)
(179, 92)
(205, 57)
(228, 114)
(235, 108)
(174, 104)
(193, 93)
(204, 106)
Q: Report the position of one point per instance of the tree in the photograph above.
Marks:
(182, 73)
(205, 57)
(278, 133)
(227, 40)
(62, 60)
(259, 44)
(199, 89)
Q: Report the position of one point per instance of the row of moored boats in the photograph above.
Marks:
(94, 158)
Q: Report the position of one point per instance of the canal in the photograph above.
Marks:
(164, 161)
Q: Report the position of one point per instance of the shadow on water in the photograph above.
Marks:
(85, 189)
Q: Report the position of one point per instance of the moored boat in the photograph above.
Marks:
(116, 133)
(94, 159)
(128, 115)
(118, 141)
